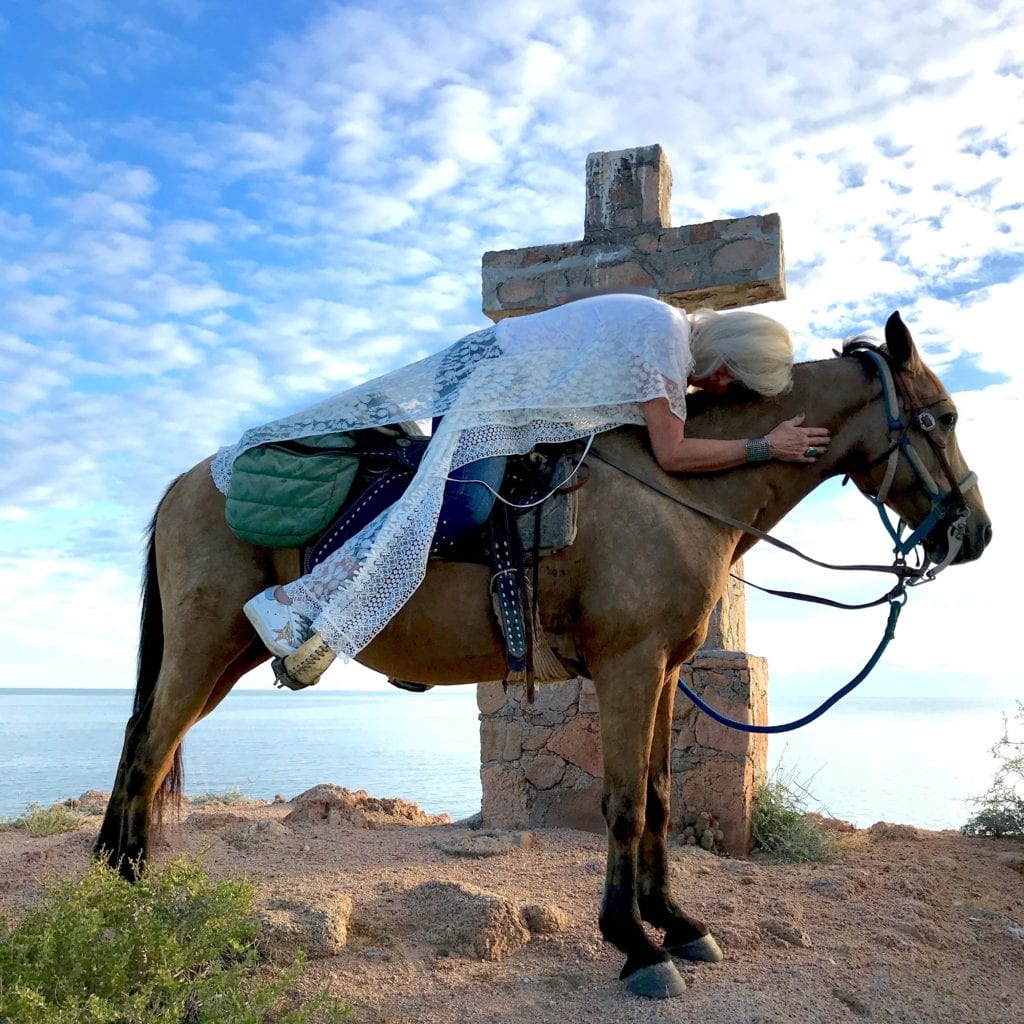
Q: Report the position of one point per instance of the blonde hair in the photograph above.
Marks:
(755, 349)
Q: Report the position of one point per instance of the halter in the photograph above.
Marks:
(945, 504)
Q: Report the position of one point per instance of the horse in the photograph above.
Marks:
(625, 605)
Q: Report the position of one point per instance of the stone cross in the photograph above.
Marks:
(629, 245)
(541, 763)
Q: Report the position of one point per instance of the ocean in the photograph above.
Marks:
(914, 761)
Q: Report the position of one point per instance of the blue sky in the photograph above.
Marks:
(213, 214)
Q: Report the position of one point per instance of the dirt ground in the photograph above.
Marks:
(428, 923)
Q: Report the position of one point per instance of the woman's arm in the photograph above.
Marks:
(677, 453)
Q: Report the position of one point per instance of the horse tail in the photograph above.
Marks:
(151, 655)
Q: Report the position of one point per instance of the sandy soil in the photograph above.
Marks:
(904, 925)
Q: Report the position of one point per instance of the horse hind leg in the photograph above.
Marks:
(194, 644)
(685, 937)
(110, 845)
(627, 711)
(188, 658)
(150, 773)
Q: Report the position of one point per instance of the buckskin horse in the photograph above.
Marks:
(625, 605)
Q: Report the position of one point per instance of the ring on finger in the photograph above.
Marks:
(811, 453)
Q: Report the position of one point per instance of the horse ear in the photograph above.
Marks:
(899, 342)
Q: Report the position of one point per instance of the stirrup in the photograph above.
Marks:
(304, 667)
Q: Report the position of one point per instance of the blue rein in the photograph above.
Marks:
(896, 604)
(903, 545)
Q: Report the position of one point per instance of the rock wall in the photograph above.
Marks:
(541, 763)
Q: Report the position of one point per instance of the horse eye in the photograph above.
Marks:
(948, 420)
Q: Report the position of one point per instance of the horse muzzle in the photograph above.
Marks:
(969, 531)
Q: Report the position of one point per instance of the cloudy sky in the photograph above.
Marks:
(214, 214)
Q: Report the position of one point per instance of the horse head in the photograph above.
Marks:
(910, 460)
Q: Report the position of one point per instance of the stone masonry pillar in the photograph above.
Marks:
(541, 763)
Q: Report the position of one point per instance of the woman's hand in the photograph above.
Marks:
(791, 442)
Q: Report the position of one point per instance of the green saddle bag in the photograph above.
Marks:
(285, 493)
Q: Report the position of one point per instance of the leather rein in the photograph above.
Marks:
(944, 504)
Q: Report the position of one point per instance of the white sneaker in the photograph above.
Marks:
(279, 626)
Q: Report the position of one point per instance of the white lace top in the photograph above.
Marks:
(553, 376)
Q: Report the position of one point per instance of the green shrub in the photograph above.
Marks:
(782, 829)
(41, 821)
(174, 948)
(230, 796)
(1001, 816)
(1001, 808)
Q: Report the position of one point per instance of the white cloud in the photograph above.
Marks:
(183, 299)
(981, 327)
(39, 312)
(542, 69)
(461, 126)
(70, 606)
(14, 227)
(114, 253)
(114, 308)
(316, 216)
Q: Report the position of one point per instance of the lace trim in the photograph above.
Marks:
(552, 377)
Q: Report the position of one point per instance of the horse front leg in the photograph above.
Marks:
(685, 937)
(628, 689)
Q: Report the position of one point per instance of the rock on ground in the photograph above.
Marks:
(290, 922)
(462, 920)
(336, 804)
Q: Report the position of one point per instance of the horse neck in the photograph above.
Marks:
(830, 393)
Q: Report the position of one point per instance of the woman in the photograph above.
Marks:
(555, 376)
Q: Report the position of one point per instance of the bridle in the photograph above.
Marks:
(948, 504)
(945, 504)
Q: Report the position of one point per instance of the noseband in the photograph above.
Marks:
(945, 504)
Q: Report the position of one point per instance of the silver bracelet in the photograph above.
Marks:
(758, 449)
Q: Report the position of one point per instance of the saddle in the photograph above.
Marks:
(526, 522)
(387, 466)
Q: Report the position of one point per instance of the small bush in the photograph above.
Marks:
(229, 797)
(782, 829)
(1001, 816)
(173, 948)
(1001, 808)
(41, 821)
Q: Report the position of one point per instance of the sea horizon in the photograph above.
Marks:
(867, 759)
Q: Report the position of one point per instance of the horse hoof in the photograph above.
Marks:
(704, 949)
(659, 981)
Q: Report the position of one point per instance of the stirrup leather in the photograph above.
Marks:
(508, 584)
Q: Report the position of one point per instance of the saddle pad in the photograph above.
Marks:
(284, 493)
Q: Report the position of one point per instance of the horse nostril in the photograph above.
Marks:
(986, 535)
